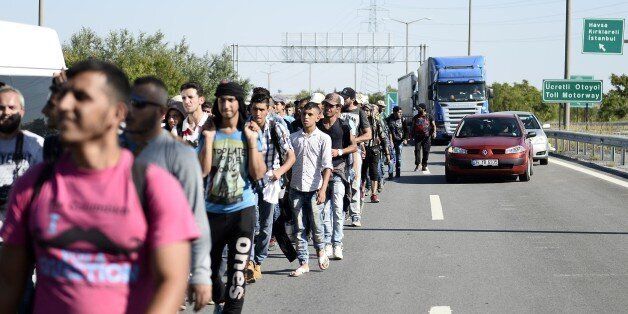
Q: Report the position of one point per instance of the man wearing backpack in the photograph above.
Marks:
(151, 143)
(106, 234)
(423, 128)
(279, 158)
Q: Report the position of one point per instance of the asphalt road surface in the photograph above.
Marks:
(558, 243)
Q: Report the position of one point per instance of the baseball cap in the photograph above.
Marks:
(332, 99)
(362, 99)
(381, 103)
(317, 98)
(348, 92)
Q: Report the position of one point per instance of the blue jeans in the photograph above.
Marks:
(333, 214)
(263, 229)
(397, 152)
(308, 216)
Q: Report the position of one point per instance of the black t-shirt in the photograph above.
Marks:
(340, 134)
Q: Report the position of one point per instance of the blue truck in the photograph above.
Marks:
(450, 87)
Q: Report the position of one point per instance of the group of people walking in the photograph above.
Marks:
(138, 196)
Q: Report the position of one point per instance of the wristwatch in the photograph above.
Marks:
(340, 152)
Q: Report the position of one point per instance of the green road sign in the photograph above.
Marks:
(391, 101)
(572, 91)
(577, 104)
(604, 36)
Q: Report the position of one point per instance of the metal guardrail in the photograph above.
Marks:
(590, 143)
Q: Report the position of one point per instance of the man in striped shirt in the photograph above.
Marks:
(279, 158)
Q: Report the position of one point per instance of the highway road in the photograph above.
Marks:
(558, 243)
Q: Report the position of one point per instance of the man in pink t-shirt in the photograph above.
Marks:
(96, 248)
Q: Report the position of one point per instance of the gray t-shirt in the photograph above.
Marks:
(181, 161)
(32, 152)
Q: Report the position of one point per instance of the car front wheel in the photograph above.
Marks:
(544, 162)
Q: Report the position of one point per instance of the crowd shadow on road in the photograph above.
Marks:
(421, 178)
(491, 231)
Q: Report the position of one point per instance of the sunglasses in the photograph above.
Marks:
(332, 106)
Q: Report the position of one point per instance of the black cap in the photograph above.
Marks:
(348, 92)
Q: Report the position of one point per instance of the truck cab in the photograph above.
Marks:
(451, 88)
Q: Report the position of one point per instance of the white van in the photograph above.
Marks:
(28, 59)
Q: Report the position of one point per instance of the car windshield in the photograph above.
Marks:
(461, 92)
(529, 122)
(478, 127)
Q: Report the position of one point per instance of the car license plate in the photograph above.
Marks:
(484, 162)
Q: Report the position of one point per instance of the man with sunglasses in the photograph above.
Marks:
(145, 137)
(342, 144)
(361, 129)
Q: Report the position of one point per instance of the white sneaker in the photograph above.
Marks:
(329, 251)
(338, 252)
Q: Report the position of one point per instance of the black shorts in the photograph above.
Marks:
(371, 163)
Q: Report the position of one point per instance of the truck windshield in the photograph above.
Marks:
(478, 127)
(461, 92)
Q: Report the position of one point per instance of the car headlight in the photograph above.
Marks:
(456, 150)
(515, 149)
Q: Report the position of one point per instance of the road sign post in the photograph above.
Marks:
(603, 36)
(572, 91)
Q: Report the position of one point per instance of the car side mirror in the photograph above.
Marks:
(490, 93)
(531, 134)
(430, 92)
(546, 126)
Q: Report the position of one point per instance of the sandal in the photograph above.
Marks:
(300, 271)
(323, 260)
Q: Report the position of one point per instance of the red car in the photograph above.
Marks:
(489, 144)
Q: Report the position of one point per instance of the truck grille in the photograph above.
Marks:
(455, 115)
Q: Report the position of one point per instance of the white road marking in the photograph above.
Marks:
(591, 173)
(437, 208)
(440, 310)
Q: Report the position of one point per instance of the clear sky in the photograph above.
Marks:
(521, 39)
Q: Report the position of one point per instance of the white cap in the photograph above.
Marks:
(317, 98)
(362, 99)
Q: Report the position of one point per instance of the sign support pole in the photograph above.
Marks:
(567, 42)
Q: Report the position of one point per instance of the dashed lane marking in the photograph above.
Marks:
(437, 208)
(591, 173)
(440, 310)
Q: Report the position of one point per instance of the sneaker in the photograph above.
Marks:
(416, 168)
(374, 198)
(356, 223)
(329, 250)
(337, 252)
(248, 272)
(257, 272)
(424, 168)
